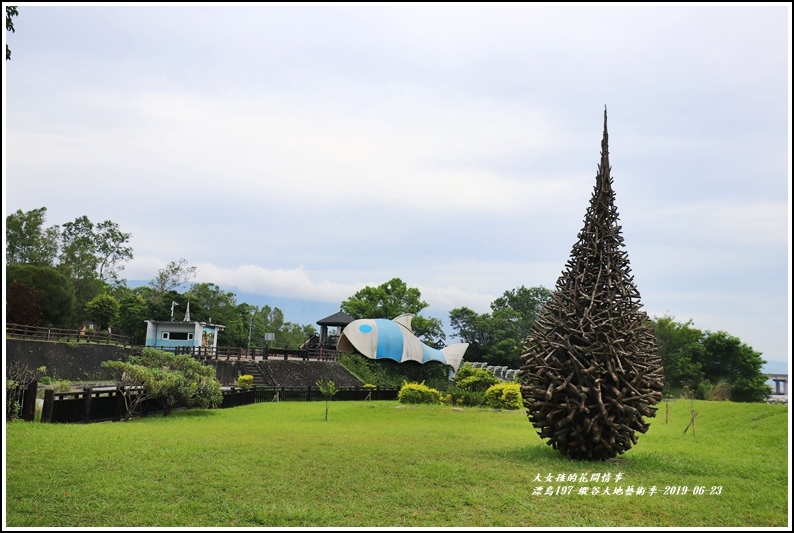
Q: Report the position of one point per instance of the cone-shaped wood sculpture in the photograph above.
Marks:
(591, 370)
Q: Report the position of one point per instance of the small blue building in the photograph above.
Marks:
(168, 335)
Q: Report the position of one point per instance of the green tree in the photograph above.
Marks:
(111, 249)
(498, 338)
(11, 11)
(28, 241)
(472, 328)
(680, 350)
(328, 389)
(693, 358)
(104, 310)
(91, 257)
(729, 358)
(57, 293)
(524, 304)
(388, 300)
(91, 250)
(171, 277)
(391, 300)
(133, 311)
(131, 383)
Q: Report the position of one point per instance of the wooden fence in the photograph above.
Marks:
(231, 353)
(104, 404)
(19, 331)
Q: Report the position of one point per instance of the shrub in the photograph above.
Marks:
(418, 393)
(704, 390)
(61, 385)
(504, 396)
(721, 392)
(468, 398)
(370, 386)
(474, 379)
(245, 381)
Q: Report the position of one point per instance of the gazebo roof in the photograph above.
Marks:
(337, 319)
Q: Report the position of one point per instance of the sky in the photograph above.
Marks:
(302, 152)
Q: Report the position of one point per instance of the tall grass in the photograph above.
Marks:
(386, 465)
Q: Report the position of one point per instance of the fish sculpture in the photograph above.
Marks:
(379, 338)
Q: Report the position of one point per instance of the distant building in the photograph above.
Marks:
(87, 326)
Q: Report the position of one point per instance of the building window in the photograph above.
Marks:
(165, 335)
(181, 336)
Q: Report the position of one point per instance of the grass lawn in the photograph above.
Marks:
(379, 464)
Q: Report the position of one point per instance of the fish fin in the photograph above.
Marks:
(405, 321)
(454, 354)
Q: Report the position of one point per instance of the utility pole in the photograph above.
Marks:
(250, 325)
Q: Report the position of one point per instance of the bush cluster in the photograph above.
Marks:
(504, 396)
(418, 393)
(706, 390)
(470, 384)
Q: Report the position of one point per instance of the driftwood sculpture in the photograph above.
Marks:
(591, 369)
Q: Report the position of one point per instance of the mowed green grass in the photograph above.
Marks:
(374, 464)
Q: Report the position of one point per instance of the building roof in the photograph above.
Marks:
(337, 319)
(190, 322)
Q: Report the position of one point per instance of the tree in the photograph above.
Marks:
(472, 328)
(692, 358)
(680, 350)
(591, 370)
(27, 241)
(91, 257)
(11, 11)
(498, 338)
(172, 276)
(172, 379)
(90, 250)
(23, 304)
(57, 294)
(103, 309)
(730, 359)
(525, 304)
(388, 300)
(391, 300)
(131, 381)
(133, 311)
(328, 389)
(111, 250)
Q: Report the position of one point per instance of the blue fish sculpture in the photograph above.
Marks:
(379, 338)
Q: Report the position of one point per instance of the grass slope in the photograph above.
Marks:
(380, 465)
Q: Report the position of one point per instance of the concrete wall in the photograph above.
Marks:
(83, 362)
(79, 362)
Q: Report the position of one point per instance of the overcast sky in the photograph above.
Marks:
(307, 151)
